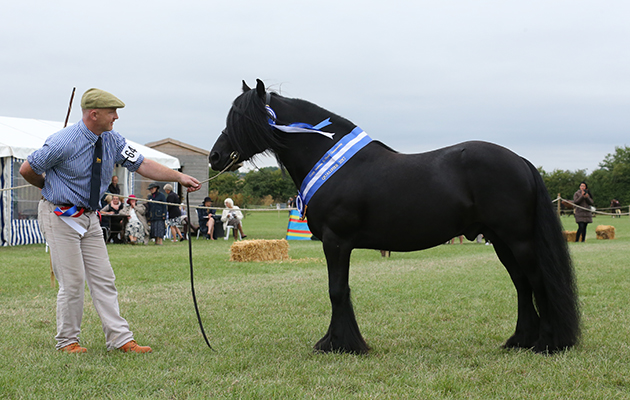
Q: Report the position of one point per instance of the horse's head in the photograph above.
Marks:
(248, 132)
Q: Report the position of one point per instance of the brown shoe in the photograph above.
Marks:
(132, 346)
(73, 348)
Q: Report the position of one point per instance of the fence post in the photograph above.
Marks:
(558, 205)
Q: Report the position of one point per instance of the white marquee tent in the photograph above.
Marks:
(18, 138)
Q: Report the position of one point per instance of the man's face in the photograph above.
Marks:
(105, 118)
(115, 180)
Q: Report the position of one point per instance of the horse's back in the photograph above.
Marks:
(431, 196)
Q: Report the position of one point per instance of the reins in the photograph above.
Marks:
(234, 157)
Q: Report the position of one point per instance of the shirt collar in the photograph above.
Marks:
(89, 135)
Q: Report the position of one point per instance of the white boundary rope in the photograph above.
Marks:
(201, 207)
(589, 209)
(170, 204)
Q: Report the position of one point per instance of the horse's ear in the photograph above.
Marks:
(260, 88)
(245, 87)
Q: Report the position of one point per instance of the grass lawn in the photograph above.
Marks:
(435, 320)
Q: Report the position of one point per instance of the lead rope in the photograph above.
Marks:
(234, 157)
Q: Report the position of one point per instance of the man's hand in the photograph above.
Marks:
(153, 170)
(190, 182)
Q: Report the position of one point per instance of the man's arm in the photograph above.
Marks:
(156, 171)
(30, 176)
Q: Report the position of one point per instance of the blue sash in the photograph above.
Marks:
(330, 163)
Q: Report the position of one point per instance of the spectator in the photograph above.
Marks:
(114, 207)
(616, 206)
(156, 214)
(206, 218)
(461, 239)
(115, 225)
(137, 229)
(175, 217)
(232, 216)
(583, 213)
(113, 187)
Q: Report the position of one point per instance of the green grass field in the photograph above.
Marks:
(435, 320)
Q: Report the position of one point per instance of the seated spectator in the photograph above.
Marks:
(206, 219)
(137, 229)
(115, 207)
(232, 216)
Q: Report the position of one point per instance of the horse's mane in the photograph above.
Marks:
(248, 126)
(250, 133)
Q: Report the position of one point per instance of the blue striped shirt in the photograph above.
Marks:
(67, 158)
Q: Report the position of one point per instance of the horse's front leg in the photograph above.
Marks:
(343, 333)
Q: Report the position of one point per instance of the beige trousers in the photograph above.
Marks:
(78, 259)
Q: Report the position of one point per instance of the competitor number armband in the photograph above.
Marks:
(130, 153)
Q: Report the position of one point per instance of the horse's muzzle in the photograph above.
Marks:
(219, 162)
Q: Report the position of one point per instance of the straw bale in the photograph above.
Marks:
(569, 235)
(259, 250)
(605, 232)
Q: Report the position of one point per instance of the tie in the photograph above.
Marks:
(95, 188)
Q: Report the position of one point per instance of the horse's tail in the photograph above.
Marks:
(557, 269)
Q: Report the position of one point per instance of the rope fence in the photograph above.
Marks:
(596, 211)
(558, 199)
(169, 204)
(201, 207)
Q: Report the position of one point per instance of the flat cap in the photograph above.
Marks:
(97, 98)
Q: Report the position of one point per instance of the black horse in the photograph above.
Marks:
(465, 189)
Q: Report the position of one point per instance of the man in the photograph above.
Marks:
(113, 187)
(78, 163)
(174, 213)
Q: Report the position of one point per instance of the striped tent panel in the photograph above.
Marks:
(26, 231)
(5, 200)
(298, 229)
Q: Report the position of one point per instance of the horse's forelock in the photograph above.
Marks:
(248, 128)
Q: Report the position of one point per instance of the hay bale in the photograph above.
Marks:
(605, 232)
(569, 235)
(259, 250)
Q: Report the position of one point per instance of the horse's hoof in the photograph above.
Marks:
(325, 346)
(519, 342)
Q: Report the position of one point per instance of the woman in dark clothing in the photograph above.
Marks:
(175, 218)
(156, 214)
(583, 216)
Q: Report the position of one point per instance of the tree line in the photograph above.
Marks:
(270, 185)
(262, 187)
(610, 181)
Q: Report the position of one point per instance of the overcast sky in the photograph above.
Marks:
(549, 79)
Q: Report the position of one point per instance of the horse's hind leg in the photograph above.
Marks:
(528, 322)
(343, 333)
